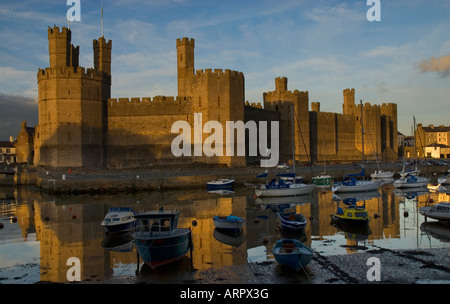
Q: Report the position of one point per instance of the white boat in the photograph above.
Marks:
(382, 174)
(406, 172)
(230, 222)
(411, 181)
(445, 179)
(119, 219)
(355, 186)
(223, 183)
(281, 188)
(350, 184)
(439, 211)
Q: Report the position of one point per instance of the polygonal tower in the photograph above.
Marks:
(72, 105)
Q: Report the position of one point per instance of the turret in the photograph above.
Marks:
(59, 47)
(102, 55)
(349, 101)
(185, 64)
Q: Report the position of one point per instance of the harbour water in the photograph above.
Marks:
(42, 231)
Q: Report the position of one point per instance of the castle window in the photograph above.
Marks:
(68, 92)
(199, 101)
(181, 57)
(218, 101)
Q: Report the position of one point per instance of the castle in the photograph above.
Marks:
(80, 125)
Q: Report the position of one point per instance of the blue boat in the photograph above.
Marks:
(292, 253)
(220, 184)
(119, 219)
(291, 221)
(230, 222)
(158, 240)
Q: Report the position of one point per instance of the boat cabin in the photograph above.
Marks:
(157, 222)
(353, 212)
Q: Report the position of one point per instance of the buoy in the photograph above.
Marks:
(194, 223)
(14, 219)
(74, 216)
(430, 200)
(405, 214)
(255, 196)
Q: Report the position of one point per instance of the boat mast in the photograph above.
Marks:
(362, 133)
(293, 138)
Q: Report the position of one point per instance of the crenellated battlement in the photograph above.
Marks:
(147, 106)
(219, 73)
(55, 31)
(75, 72)
(96, 43)
(253, 105)
(185, 41)
(137, 101)
(302, 94)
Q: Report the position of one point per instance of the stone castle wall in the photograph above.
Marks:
(80, 125)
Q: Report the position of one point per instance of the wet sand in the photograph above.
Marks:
(421, 266)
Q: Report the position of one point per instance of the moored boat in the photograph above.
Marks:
(279, 187)
(230, 222)
(351, 184)
(222, 183)
(292, 253)
(353, 214)
(406, 172)
(382, 174)
(439, 211)
(411, 181)
(444, 179)
(323, 180)
(119, 219)
(158, 240)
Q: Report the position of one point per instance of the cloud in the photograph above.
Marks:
(441, 65)
(15, 109)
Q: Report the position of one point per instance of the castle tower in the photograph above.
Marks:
(288, 104)
(349, 101)
(72, 105)
(185, 65)
(102, 55)
(59, 47)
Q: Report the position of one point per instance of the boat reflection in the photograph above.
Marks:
(411, 193)
(437, 230)
(70, 226)
(123, 242)
(232, 238)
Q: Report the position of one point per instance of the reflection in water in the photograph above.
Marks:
(69, 226)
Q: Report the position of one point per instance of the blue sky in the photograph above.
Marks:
(322, 47)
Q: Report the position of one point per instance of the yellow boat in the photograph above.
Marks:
(352, 214)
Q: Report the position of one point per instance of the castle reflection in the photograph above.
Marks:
(69, 226)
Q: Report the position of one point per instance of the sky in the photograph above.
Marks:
(322, 47)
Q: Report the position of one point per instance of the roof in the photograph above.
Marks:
(436, 129)
(6, 144)
(435, 145)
